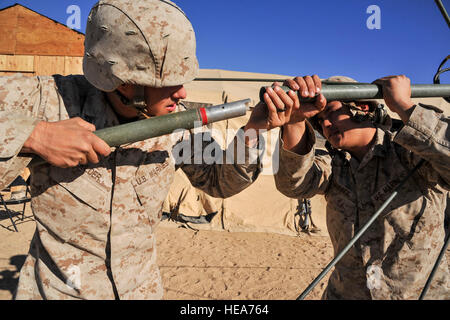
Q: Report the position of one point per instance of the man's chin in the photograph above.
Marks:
(335, 141)
(159, 113)
(335, 146)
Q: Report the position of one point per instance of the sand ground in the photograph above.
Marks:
(205, 265)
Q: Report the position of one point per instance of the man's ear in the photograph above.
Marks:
(127, 90)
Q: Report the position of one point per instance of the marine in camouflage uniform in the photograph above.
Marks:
(95, 221)
(394, 257)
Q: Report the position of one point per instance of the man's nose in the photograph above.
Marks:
(326, 123)
(180, 93)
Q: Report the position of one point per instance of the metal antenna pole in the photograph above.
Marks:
(358, 235)
(443, 11)
(166, 124)
(436, 265)
(358, 91)
(240, 79)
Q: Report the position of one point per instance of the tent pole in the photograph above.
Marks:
(240, 79)
(443, 11)
(358, 91)
(436, 265)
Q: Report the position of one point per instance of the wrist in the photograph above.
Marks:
(249, 126)
(293, 134)
(404, 110)
(405, 105)
(295, 125)
(31, 144)
(251, 135)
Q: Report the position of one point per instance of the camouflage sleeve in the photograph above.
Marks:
(303, 176)
(426, 136)
(220, 173)
(19, 102)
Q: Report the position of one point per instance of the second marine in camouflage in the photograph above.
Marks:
(364, 165)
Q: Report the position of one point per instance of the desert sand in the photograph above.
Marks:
(206, 265)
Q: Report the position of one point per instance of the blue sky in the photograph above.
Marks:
(302, 37)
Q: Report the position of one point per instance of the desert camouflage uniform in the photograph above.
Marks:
(95, 223)
(394, 257)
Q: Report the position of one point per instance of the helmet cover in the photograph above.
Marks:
(147, 43)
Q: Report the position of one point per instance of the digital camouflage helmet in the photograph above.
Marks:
(147, 43)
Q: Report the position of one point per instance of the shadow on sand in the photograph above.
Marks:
(9, 279)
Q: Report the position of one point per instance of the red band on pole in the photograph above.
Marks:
(204, 116)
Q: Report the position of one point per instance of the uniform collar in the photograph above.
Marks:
(378, 149)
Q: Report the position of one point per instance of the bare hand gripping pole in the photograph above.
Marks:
(358, 91)
(167, 124)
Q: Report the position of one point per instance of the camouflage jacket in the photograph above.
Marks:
(394, 257)
(95, 223)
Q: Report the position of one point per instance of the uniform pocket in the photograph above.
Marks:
(74, 206)
(406, 210)
(151, 184)
(87, 185)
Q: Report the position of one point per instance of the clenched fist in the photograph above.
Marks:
(66, 143)
(397, 95)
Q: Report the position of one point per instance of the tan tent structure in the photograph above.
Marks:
(36, 45)
(260, 208)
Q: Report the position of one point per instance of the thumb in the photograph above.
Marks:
(100, 146)
(378, 81)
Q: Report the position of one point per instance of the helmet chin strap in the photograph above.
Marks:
(377, 116)
(137, 102)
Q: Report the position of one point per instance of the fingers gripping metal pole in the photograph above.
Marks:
(358, 91)
(358, 235)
